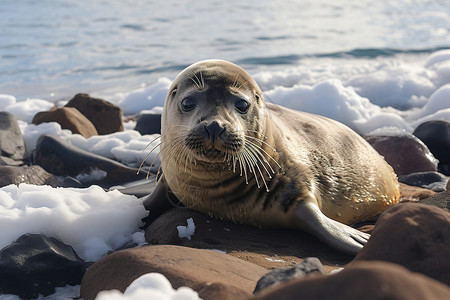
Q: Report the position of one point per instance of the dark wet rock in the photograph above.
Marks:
(148, 124)
(63, 159)
(441, 200)
(406, 153)
(12, 145)
(274, 248)
(434, 181)
(362, 280)
(35, 264)
(208, 271)
(310, 265)
(436, 135)
(415, 236)
(106, 117)
(69, 118)
(24, 174)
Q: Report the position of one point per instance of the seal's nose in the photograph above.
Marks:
(214, 129)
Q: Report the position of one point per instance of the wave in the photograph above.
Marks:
(354, 53)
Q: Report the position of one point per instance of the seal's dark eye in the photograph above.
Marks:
(188, 104)
(242, 106)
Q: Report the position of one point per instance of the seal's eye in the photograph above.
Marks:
(242, 106)
(188, 104)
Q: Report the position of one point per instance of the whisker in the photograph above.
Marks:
(259, 149)
(259, 140)
(250, 166)
(142, 163)
(258, 156)
(255, 163)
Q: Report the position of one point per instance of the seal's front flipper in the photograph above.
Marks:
(335, 234)
(157, 202)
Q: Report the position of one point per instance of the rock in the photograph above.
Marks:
(274, 248)
(106, 117)
(436, 135)
(406, 153)
(441, 200)
(31, 175)
(197, 269)
(310, 265)
(429, 180)
(361, 280)
(148, 124)
(69, 118)
(413, 193)
(63, 159)
(415, 236)
(12, 145)
(35, 264)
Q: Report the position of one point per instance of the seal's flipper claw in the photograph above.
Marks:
(335, 234)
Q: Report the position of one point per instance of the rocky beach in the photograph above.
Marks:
(82, 89)
(405, 258)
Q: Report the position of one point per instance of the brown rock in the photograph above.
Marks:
(69, 118)
(267, 248)
(415, 236)
(362, 280)
(413, 193)
(210, 273)
(106, 117)
(406, 154)
(31, 175)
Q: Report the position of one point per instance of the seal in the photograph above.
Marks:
(229, 154)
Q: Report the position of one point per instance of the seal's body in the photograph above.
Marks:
(227, 153)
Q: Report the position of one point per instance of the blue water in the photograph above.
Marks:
(55, 48)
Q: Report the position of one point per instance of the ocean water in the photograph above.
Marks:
(52, 49)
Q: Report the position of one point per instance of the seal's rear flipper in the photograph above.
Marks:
(335, 234)
(158, 202)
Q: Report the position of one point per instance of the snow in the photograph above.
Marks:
(150, 286)
(186, 231)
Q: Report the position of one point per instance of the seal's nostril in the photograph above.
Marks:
(214, 129)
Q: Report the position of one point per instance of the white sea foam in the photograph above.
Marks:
(150, 286)
(90, 220)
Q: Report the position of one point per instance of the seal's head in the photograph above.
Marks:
(214, 110)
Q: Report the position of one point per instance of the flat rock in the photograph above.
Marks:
(416, 236)
(63, 159)
(406, 153)
(106, 117)
(361, 280)
(212, 274)
(35, 264)
(69, 118)
(274, 248)
(24, 174)
(414, 193)
(12, 145)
